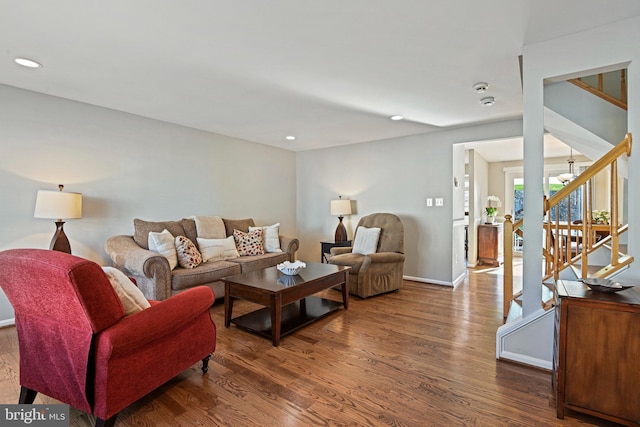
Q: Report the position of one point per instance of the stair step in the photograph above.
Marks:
(591, 269)
(610, 270)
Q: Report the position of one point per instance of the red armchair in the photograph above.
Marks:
(77, 346)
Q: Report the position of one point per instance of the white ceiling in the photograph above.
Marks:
(508, 149)
(330, 72)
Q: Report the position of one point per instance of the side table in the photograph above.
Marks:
(326, 248)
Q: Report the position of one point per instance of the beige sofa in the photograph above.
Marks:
(152, 272)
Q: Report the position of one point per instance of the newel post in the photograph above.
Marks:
(508, 264)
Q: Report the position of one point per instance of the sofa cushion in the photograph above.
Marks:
(207, 272)
(142, 228)
(249, 243)
(237, 224)
(257, 262)
(270, 237)
(188, 254)
(217, 249)
(210, 227)
(190, 229)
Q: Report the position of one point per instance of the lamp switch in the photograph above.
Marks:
(439, 201)
(429, 201)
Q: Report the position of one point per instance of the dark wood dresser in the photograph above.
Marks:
(596, 359)
(490, 244)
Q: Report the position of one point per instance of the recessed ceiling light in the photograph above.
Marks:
(488, 101)
(290, 138)
(397, 117)
(26, 62)
(481, 87)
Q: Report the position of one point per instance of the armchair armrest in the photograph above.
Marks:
(380, 257)
(289, 245)
(154, 323)
(338, 250)
(150, 269)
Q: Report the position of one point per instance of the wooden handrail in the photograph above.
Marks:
(600, 91)
(569, 243)
(623, 148)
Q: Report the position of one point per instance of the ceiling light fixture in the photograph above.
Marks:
(488, 101)
(26, 62)
(396, 117)
(481, 87)
(290, 138)
(567, 177)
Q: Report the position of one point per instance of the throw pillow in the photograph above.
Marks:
(366, 241)
(249, 243)
(271, 237)
(164, 243)
(131, 297)
(217, 249)
(188, 255)
(210, 227)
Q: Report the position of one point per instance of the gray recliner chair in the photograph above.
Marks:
(378, 272)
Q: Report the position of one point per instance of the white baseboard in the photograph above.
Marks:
(431, 281)
(521, 358)
(7, 322)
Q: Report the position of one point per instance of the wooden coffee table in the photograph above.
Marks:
(288, 301)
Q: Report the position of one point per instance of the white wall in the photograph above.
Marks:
(394, 175)
(596, 115)
(478, 187)
(457, 197)
(127, 166)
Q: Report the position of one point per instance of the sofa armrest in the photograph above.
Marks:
(290, 245)
(150, 269)
(338, 250)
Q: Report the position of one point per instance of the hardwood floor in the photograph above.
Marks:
(423, 356)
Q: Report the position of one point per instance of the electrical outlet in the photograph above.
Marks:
(439, 201)
(429, 201)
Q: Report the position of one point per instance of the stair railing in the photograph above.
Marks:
(600, 91)
(569, 243)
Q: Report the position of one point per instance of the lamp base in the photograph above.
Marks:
(341, 232)
(59, 242)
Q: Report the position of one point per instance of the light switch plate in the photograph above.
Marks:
(429, 201)
(439, 201)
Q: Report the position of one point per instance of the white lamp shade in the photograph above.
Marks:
(340, 207)
(58, 205)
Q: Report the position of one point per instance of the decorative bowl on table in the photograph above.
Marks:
(604, 285)
(291, 268)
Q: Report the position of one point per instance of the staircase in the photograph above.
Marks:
(574, 248)
(577, 247)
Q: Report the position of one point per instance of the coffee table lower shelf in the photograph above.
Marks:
(294, 316)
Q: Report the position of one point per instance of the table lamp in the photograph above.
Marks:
(58, 205)
(340, 208)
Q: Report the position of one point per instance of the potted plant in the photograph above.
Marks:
(600, 216)
(493, 202)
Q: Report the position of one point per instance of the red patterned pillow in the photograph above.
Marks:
(249, 243)
(188, 254)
